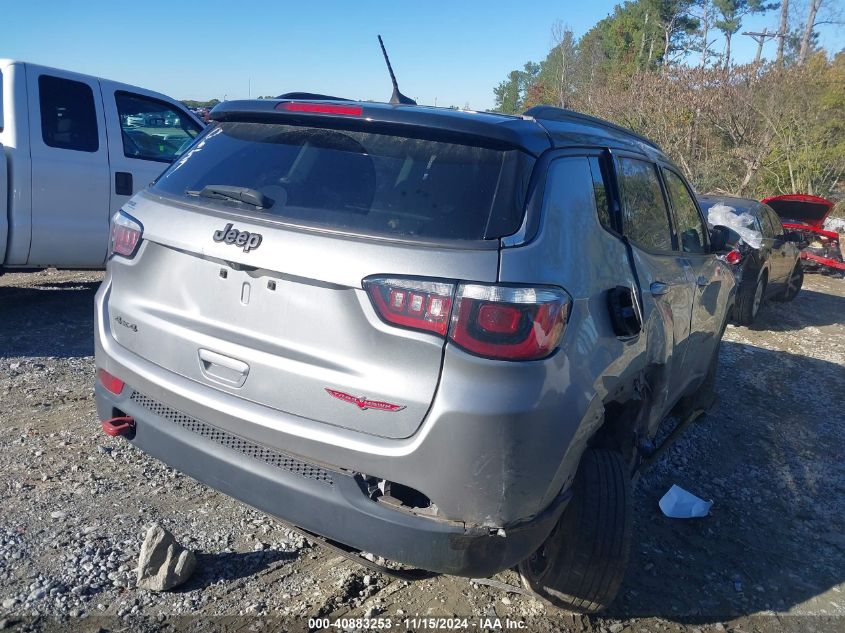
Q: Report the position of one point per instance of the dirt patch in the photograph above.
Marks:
(771, 557)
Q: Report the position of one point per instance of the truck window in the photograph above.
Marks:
(68, 117)
(644, 215)
(153, 129)
(690, 228)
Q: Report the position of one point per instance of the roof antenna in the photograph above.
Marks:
(397, 97)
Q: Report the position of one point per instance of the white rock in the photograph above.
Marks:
(163, 563)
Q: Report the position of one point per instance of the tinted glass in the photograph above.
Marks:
(569, 187)
(777, 226)
(68, 118)
(644, 217)
(689, 225)
(600, 193)
(765, 222)
(361, 182)
(152, 129)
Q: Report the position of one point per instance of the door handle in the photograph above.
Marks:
(223, 369)
(658, 288)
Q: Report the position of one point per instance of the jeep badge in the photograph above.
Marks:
(228, 235)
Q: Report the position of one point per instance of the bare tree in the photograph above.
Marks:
(783, 29)
(813, 10)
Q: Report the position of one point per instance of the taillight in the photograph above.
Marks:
(126, 234)
(111, 383)
(500, 322)
(509, 323)
(412, 303)
(733, 257)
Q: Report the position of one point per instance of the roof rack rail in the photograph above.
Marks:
(310, 96)
(551, 113)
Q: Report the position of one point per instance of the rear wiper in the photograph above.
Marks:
(232, 192)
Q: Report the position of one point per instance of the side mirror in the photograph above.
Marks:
(797, 238)
(718, 239)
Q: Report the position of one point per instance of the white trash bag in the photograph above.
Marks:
(677, 503)
(740, 223)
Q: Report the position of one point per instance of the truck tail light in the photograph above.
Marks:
(493, 321)
(126, 233)
(733, 257)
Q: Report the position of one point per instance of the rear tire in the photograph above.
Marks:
(793, 284)
(748, 301)
(581, 564)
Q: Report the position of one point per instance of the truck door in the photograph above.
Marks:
(711, 287)
(146, 133)
(70, 188)
(667, 288)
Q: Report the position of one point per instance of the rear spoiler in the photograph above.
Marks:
(495, 131)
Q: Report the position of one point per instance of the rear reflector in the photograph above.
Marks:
(733, 257)
(111, 383)
(320, 108)
(501, 322)
(126, 234)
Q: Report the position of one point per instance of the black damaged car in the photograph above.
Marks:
(772, 271)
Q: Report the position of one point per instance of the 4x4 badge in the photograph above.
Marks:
(362, 403)
(248, 241)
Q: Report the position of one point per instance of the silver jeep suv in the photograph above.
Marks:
(443, 337)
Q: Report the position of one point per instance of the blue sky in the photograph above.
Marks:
(452, 52)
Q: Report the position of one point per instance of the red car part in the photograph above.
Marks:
(806, 214)
(122, 426)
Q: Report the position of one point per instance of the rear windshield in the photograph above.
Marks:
(360, 182)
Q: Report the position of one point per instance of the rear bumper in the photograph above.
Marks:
(326, 502)
(811, 260)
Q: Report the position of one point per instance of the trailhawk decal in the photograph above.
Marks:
(362, 403)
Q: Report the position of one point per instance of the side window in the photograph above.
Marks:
(68, 117)
(690, 229)
(600, 193)
(777, 226)
(765, 222)
(644, 218)
(152, 129)
(569, 187)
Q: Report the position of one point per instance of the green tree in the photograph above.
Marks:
(732, 12)
(510, 94)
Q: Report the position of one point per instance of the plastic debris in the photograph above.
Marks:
(740, 223)
(835, 224)
(677, 503)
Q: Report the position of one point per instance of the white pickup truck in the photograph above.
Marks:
(73, 149)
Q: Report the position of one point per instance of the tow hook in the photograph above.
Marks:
(115, 427)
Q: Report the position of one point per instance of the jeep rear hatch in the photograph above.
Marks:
(266, 301)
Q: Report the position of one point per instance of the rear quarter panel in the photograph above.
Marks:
(575, 252)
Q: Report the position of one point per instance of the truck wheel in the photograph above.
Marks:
(748, 301)
(793, 284)
(581, 564)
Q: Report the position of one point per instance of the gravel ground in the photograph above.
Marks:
(76, 504)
